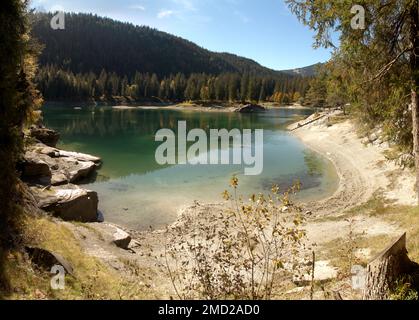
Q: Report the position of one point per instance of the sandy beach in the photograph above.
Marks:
(362, 168)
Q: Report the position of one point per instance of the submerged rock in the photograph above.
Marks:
(68, 202)
(250, 108)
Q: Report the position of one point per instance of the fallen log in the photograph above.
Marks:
(300, 125)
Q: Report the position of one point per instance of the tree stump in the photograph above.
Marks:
(385, 270)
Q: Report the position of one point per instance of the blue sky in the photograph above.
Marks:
(263, 30)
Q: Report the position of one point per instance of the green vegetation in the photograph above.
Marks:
(115, 60)
(91, 280)
(376, 67)
(19, 100)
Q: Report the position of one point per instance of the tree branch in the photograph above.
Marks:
(383, 71)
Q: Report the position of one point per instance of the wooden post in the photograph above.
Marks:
(312, 276)
(385, 269)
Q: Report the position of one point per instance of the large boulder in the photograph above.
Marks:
(33, 167)
(250, 108)
(64, 167)
(45, 259)
(68, 202)
(46, 136)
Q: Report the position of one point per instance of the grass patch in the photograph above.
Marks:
(332, 120)
(406, 217)
(92, 279)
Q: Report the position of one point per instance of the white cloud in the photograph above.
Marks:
(165, 14)
(137, 7)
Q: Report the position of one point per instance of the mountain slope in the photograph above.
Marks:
(309, 71)
(90, 43)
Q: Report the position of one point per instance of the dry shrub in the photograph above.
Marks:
(244, 250)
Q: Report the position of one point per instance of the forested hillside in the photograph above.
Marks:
(309, 71)
(99, 58)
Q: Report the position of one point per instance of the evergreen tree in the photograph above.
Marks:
(381, 59)
(19, 100)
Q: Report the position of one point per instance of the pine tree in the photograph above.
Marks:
(19, 100)
(383, 55)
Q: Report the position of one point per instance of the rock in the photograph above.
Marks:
(68, 202)
(46, 136)
(79, 169)
(121, 238)
(49, 151)
(45, 259)
(58, 178)
(323, 271)
(365, 140)
(372, 137)
(386, 144)
(65, 167)
(34, 167)
(112, 234)
(250, 108)
(80, 156)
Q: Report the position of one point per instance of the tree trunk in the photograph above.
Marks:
(414, 68)
(386, 269)
(415, 123)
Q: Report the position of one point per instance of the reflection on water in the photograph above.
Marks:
(135, 191)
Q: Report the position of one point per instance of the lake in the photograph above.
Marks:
(136, 192)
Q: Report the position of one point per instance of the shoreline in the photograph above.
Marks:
(363, 169)
(220, 106)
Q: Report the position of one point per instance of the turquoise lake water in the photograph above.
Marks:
(137, 192)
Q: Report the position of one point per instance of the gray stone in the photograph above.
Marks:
(65, 167)
(34, 167)
(46, 136)
(80, 156)
(45, 259)
(372, 137)
(68, 202)
(121, 238)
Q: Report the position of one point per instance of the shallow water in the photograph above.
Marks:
(137, 192)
